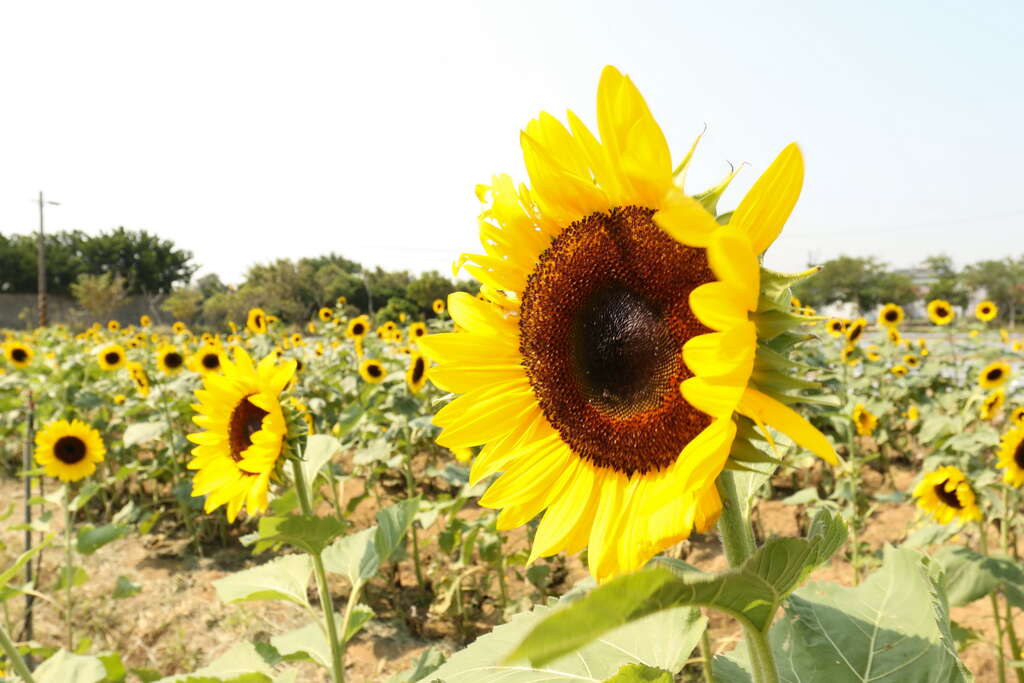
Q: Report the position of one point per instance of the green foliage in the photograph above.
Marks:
(1002, 281)
(863, 281)
(284, 578)
(184, 303)
(99, 294)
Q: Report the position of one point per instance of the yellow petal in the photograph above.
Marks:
(734, 262)
(767, 206)
(719, 305)
(685, 220)
(762, 408)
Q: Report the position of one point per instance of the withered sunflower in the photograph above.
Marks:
(994, 375)
(891, 315)
(570, 371)
(1011, 456)
(111, 357)
(18, 354)
(371, 371)
(986, 310)
(946, 495)
(244, 433)
(69, 450)
(416, 373)
(170, 360)
(940, 312)
(257, 321)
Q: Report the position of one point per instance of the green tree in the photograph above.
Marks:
(184, 303)
(862, 281)
(100, 294)
(947, 283)
(1002, 282)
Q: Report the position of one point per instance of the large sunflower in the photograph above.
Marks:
(245, 432)
(69, 450)
(1011, 456)
(18, 354)
(946, 495)
(891, 315)
(994, 375)
(986, 310)
(940, 312)
(615, 362)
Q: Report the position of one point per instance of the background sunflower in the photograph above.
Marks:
(69, 450)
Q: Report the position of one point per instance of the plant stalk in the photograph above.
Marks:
(68, 566)
(706, 656)
(14, 657)
(993, 598)
(410, 485)
(337, 651)
(738, 544)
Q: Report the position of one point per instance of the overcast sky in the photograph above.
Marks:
(247, 131)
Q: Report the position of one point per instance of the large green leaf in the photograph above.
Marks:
(308, 640)
(320, 448)
(65, 667)
(893, 628)
(305, 532)
(392, 524)
(970, 576)
(751, 593)
(241, 664)
(90, 539)
(284, 578)
(660, 641)
(353, 556)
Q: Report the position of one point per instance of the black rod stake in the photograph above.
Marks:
(27, 466)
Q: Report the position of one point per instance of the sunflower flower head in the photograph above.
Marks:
(111, 357)
(257, 321)
(994, 375)
(1017, 416)
(836, 327)
(912, 413)
(864, 420)
(139, 378)
(992, 405)
(891, 315)
(69, 450)
(170, 359)
(1011, 456)
(986, 311)
(245, 433)
(568, 367)
(940, 312)
(855, 330)
(18, 353)
(946, 495)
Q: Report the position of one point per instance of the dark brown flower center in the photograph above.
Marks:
(173, 360)
(994, 374)
(19, 355)
(358, 329)
(604, 317)
(69, 449)
(112, 357)
(1018, 454)
(211, 361)
(374, 370)
(941, 311)
(948, 497)
(855, 333)
(418, 368)
(246, 419)
(891, 316)
(419, 332)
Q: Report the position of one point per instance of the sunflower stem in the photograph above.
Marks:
(738, 544)
(68, 566)
(410, 484)
(706, 654)
(14, 657)
(326, 604)
(993, 598)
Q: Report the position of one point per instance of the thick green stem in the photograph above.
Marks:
(410, 486)
(14, 657)
(706, 656)
(1001, 651)
(337, 646)
(738, 543)
(68, 567)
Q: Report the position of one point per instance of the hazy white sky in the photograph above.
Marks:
(246, 131)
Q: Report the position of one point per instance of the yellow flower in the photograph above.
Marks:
(1011, 456)
(69, 450)
(1017, 416)
(169, 359)
(257, 321)
(974, 334)
(18, 354)
(864, 420)
(208, 359)
(910, 360)
(341, 301)
(940, 312)
(358, 327)
(946, 495)
(993, 404)
(139, 377)
(836, 327)
(438, 306)
(119, 399)
(569, 371)
(371, 371)
(894, 336)
(111, 357)
(899, 370)
(179, 327)
(113, 325)
(416, 373)
(325, 314)
(244, 433)
(145, 321)
(891, 315)
(986, 310)
(463, 454)
(912, 414)
(872, 351)
(417, 330)
(994, 375)
(855, 330)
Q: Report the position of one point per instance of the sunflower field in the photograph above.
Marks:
(632, 456)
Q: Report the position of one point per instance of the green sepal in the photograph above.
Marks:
(773, 322)
(744, 451)
(709, 198)
(775, 286)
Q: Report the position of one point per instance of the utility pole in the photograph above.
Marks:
(41, 263)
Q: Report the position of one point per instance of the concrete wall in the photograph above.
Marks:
(18, 311)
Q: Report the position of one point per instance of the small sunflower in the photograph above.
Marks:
(245, 433)
(297, 339)
(899, 370)
(18, 354)
(994, 375)
(111, 357)
(873, 352)
(372, 371)
(946, 495)
(894, 336)
(119, 399)
(145, 321)
(993, 404)
(358, 327)
(1017, 416)
(417, 330)
(138, 376)
(864, 420)
(208, 359)
(940, 312)
(179, 327)
(569, 371)
(325, 314)
(113, 325)
(855, 330)
(438, 306)
(986, 310)
(1011, 456)
(912, 414)
(69, 450)
(911, 360)
(891, 315)
(341, 301)
(1004, 334)
(416, 373)
(257, 321)
(836, 327)
(795, 304)
(169, 359)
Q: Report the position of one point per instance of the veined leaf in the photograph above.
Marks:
(970, 576)
(241, 664)
(284, 578)
(65, 667)
(320, 448)
(306, 532)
